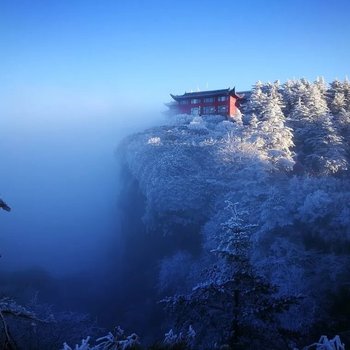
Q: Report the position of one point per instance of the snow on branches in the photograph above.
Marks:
(116, 341)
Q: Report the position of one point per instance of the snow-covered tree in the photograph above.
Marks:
(319, 146)
(233, 295)
(322, 87)
(339, 104)
(256, 99)
(278, 138)
(300, 246)
(315, 101)
(336, 97)
(266, 125)
(274, 90)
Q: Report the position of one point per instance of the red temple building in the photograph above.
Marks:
(223, 102)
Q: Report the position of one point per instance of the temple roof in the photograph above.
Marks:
(198, 94)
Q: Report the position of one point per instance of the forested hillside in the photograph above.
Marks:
(251, 217)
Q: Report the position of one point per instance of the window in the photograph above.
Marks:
(195, 100)
(195, 111)
(222, 109)
(222, 98)
(184, 102)
(209, 110)
(209, 99)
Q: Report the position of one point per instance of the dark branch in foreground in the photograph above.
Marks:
(4, 206)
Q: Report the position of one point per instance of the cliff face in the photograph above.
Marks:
(170, 186)
(174, 167)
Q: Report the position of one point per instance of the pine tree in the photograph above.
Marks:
(315, 100)
(336, 97)
(234, 301)
(320, 148)
(346, 90)
(339, 104)
(270, 127)
(321, 85)
(256, 99)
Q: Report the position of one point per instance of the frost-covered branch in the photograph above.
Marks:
(112, 341)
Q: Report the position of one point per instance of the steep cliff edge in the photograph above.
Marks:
(170, 189)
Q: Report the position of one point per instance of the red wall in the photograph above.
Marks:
(233, 106)
(186, 109)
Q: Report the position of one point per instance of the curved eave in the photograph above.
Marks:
(237, 96)
(233, 93)
(176, 98)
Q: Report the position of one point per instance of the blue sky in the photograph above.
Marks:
(86, 57)
(77, 76)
